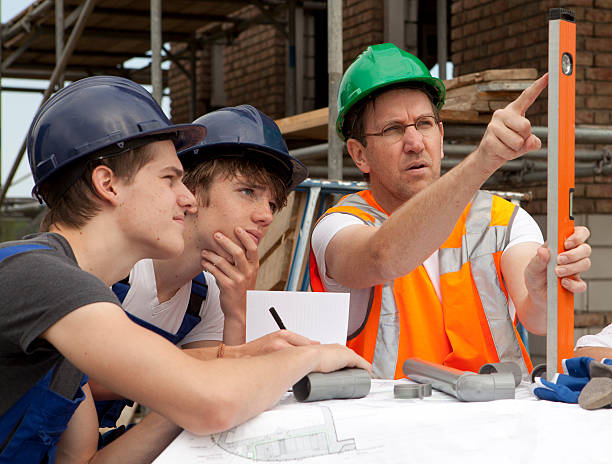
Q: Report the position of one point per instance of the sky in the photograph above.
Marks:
(18, 109)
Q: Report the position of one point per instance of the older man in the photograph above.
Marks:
(436, 268)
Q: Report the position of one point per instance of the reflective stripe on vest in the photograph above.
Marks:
(482, 240)
(469, 266)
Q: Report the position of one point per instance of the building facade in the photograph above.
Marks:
(254, 67)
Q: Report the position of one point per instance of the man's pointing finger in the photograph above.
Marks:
(529, 95)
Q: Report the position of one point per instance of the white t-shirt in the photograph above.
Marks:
(602, 339)
(524, 229)
(141, 301)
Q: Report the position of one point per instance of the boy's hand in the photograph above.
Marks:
(275, 341)
(235, 274)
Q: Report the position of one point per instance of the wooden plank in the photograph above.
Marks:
(488, 106)
(283, 222)
(492, 84)
(491, 75)
(490, 87)
(275, 263)
(302, 122)
(450, 115)
(274, 270)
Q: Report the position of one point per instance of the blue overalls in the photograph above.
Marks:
(110, 410)
(32, 427)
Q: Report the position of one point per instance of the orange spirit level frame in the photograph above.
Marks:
(560, 221)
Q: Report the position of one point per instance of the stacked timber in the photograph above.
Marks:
(474, 97)
(278, 246)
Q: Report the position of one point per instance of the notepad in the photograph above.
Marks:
(319, 316)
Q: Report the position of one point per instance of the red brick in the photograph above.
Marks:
(603, 206)
(584, 205)
(602, 88)
(599, 191)
(598, 15)
(584, 59)
(603, 60)
(602, 30)
(603, 118)
(588, 88)
(599, 74)
(585, 116)
(584, 29)
(456, 7)
(599, 44)
(456, 34)
(583, 319)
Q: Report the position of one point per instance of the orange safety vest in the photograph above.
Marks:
(471, 324)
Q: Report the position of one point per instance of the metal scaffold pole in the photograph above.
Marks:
(59, 69)
(59, 37)
(156, 46)
(441, 20)
(334, 69)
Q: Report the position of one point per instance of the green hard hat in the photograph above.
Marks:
(379, 66)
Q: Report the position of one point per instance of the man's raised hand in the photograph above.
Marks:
(508, 135)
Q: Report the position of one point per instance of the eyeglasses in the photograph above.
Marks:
(425, 125)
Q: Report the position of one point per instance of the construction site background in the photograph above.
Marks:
(251, 67)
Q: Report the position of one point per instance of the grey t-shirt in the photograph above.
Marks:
(38, 288)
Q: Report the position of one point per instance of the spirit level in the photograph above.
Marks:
(560, 220)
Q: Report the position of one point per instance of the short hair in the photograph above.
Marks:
(199, 177)
(354, 121)
(79, 203)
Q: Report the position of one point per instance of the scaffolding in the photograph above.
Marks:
(94, 48)
(141, 27)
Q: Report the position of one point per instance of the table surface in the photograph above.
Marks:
(381, 429)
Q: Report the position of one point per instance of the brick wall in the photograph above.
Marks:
(255, 68)
(489, 34)
(363, 26)
(254, 63)
(593, 209)
(180, 90)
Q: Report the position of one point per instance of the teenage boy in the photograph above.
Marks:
(103, 157)
(240, 175)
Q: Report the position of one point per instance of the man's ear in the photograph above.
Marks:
(358, 153)
(442, 138)
(104, 182)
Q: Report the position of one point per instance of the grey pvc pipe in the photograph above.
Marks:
(465, 386)
(342, 384)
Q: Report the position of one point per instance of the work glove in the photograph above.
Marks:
(556, 390)
(564, 387)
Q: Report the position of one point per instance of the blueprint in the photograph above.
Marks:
(381, 429)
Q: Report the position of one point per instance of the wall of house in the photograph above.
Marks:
(254, 63)
(487, 34)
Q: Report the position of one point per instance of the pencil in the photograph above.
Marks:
(277, 318)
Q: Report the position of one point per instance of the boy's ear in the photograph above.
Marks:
(104, 182)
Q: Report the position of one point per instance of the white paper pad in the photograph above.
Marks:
(319, 316)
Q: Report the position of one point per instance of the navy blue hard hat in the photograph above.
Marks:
(245, 131)
(99, 114)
